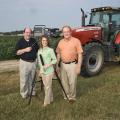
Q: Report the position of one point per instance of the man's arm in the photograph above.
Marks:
(21, 51)
(58, 63)
(80, 58)
(58, 59)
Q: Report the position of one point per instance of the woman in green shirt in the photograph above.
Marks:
(46, 70)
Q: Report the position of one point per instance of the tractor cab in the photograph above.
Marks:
(109, 19)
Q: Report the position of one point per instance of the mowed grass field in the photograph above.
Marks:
(98, 98)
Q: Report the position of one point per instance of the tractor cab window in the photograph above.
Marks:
(105, 25)
(105, 19)
(115, 20)
(95, 18)
(115, 24)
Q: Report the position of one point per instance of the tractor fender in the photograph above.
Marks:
(117, 38)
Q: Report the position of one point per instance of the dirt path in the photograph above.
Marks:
(13, 65)
(9, 65)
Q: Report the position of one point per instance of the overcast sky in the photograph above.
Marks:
(17, 14)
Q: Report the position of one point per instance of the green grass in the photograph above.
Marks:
(98, 98)
(7, 47)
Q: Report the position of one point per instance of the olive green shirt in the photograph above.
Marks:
(49, 57)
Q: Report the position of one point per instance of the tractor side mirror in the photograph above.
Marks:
(112, 23)
(86, 16)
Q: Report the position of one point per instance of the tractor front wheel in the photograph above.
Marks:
(93, 59)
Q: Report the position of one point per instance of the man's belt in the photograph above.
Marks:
(29, 60)
(70, 62)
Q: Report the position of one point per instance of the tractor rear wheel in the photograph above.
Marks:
(93, 59)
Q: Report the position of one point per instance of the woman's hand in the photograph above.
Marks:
(46, 66)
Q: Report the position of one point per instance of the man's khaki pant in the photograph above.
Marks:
(27, 73)
(47, 81)
(69, 79)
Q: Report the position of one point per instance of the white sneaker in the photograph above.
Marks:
(24, 97)
(33, 93)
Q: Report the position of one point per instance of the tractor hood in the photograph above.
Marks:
(87, 34)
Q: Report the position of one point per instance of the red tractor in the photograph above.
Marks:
(100, 39)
